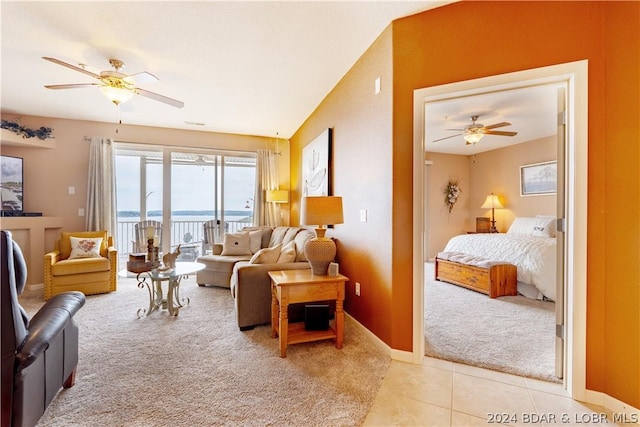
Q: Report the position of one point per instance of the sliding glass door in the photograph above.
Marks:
(182, 189)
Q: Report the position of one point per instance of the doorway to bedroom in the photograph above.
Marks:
(525, 104)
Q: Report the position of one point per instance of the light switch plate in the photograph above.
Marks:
(363, 215)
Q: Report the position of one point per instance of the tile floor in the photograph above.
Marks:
(442, 393)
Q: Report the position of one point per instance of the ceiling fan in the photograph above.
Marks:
(116, 86)
(476, 131)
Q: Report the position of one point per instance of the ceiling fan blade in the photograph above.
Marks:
(498, 125)
(73, 67)
(71, 86)
(141, 78)
(161, 98)
(446, 137)
(500, 133)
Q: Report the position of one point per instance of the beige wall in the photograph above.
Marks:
(442, 225)
(478, 177)
(504, 181)
(48, 173)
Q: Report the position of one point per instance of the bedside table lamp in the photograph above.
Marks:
(320, 211)
(492, 202)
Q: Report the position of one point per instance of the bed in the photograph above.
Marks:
(530, 245)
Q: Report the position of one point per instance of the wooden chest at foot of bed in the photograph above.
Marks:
(495, 279)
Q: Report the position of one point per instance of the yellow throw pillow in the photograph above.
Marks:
(85, 247)
(266, 255)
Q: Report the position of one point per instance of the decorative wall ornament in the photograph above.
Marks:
(451, 193)
(41, 133)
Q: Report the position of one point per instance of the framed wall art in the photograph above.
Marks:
(316, 156)
(538, 179)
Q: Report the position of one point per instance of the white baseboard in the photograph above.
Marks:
(400, 355)
(623, 412)
(35, 287)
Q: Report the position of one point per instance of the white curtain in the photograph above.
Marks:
(266, 213)
(101, 188)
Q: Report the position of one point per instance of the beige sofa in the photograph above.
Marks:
(246, 273)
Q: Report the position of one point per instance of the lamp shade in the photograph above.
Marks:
(117, 95)
(492, 202)
(472, 138)
(321, 210)
(278, 196)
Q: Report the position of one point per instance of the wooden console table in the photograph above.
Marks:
(299, 286)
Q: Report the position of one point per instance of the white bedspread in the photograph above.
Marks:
(535, 257)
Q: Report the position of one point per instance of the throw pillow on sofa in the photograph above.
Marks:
(255, 240)
(288, 253)
(266, 255)
(236, 244)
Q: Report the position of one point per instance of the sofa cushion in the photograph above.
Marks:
(266, 255)
(290, 235)
(288, 253)
(255, 240)
(85, 247)
(236, 244)
(277, 235)
(68, 267)
(301, 239)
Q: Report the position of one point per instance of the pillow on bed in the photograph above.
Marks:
(522, 225)
(545, 226)
(541, 226)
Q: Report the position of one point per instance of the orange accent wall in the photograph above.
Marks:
(362, 175)
(468, 40)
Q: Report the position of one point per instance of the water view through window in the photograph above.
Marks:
(202, 186)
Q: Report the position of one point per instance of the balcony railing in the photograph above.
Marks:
(179, 230)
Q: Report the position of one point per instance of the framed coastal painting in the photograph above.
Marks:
(316, 158)
(538, 179)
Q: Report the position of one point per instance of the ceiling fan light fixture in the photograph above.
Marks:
(117, 95)
(473, 138)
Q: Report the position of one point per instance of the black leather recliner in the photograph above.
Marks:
(39, 356)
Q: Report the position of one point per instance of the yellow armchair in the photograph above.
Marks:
(90, 275)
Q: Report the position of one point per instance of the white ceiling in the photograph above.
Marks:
(255, 68)
(531, 111)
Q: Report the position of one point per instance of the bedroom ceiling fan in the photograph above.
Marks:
(476, 131)
(116, 86)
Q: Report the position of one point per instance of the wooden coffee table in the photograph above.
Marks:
(299, 286)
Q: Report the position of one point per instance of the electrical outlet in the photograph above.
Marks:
(358, 288)
(80, 212)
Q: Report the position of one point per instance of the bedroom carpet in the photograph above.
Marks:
(508, 334)
(199, 369)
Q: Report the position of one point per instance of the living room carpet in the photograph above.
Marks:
(511, 334)
(199, 369)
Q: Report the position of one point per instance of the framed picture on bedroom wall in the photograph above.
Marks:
(316, 157)
(538, 179)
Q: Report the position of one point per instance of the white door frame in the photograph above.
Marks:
(574, 75)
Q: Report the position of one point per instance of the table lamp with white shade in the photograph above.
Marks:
(320, 211)
(492, 202)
